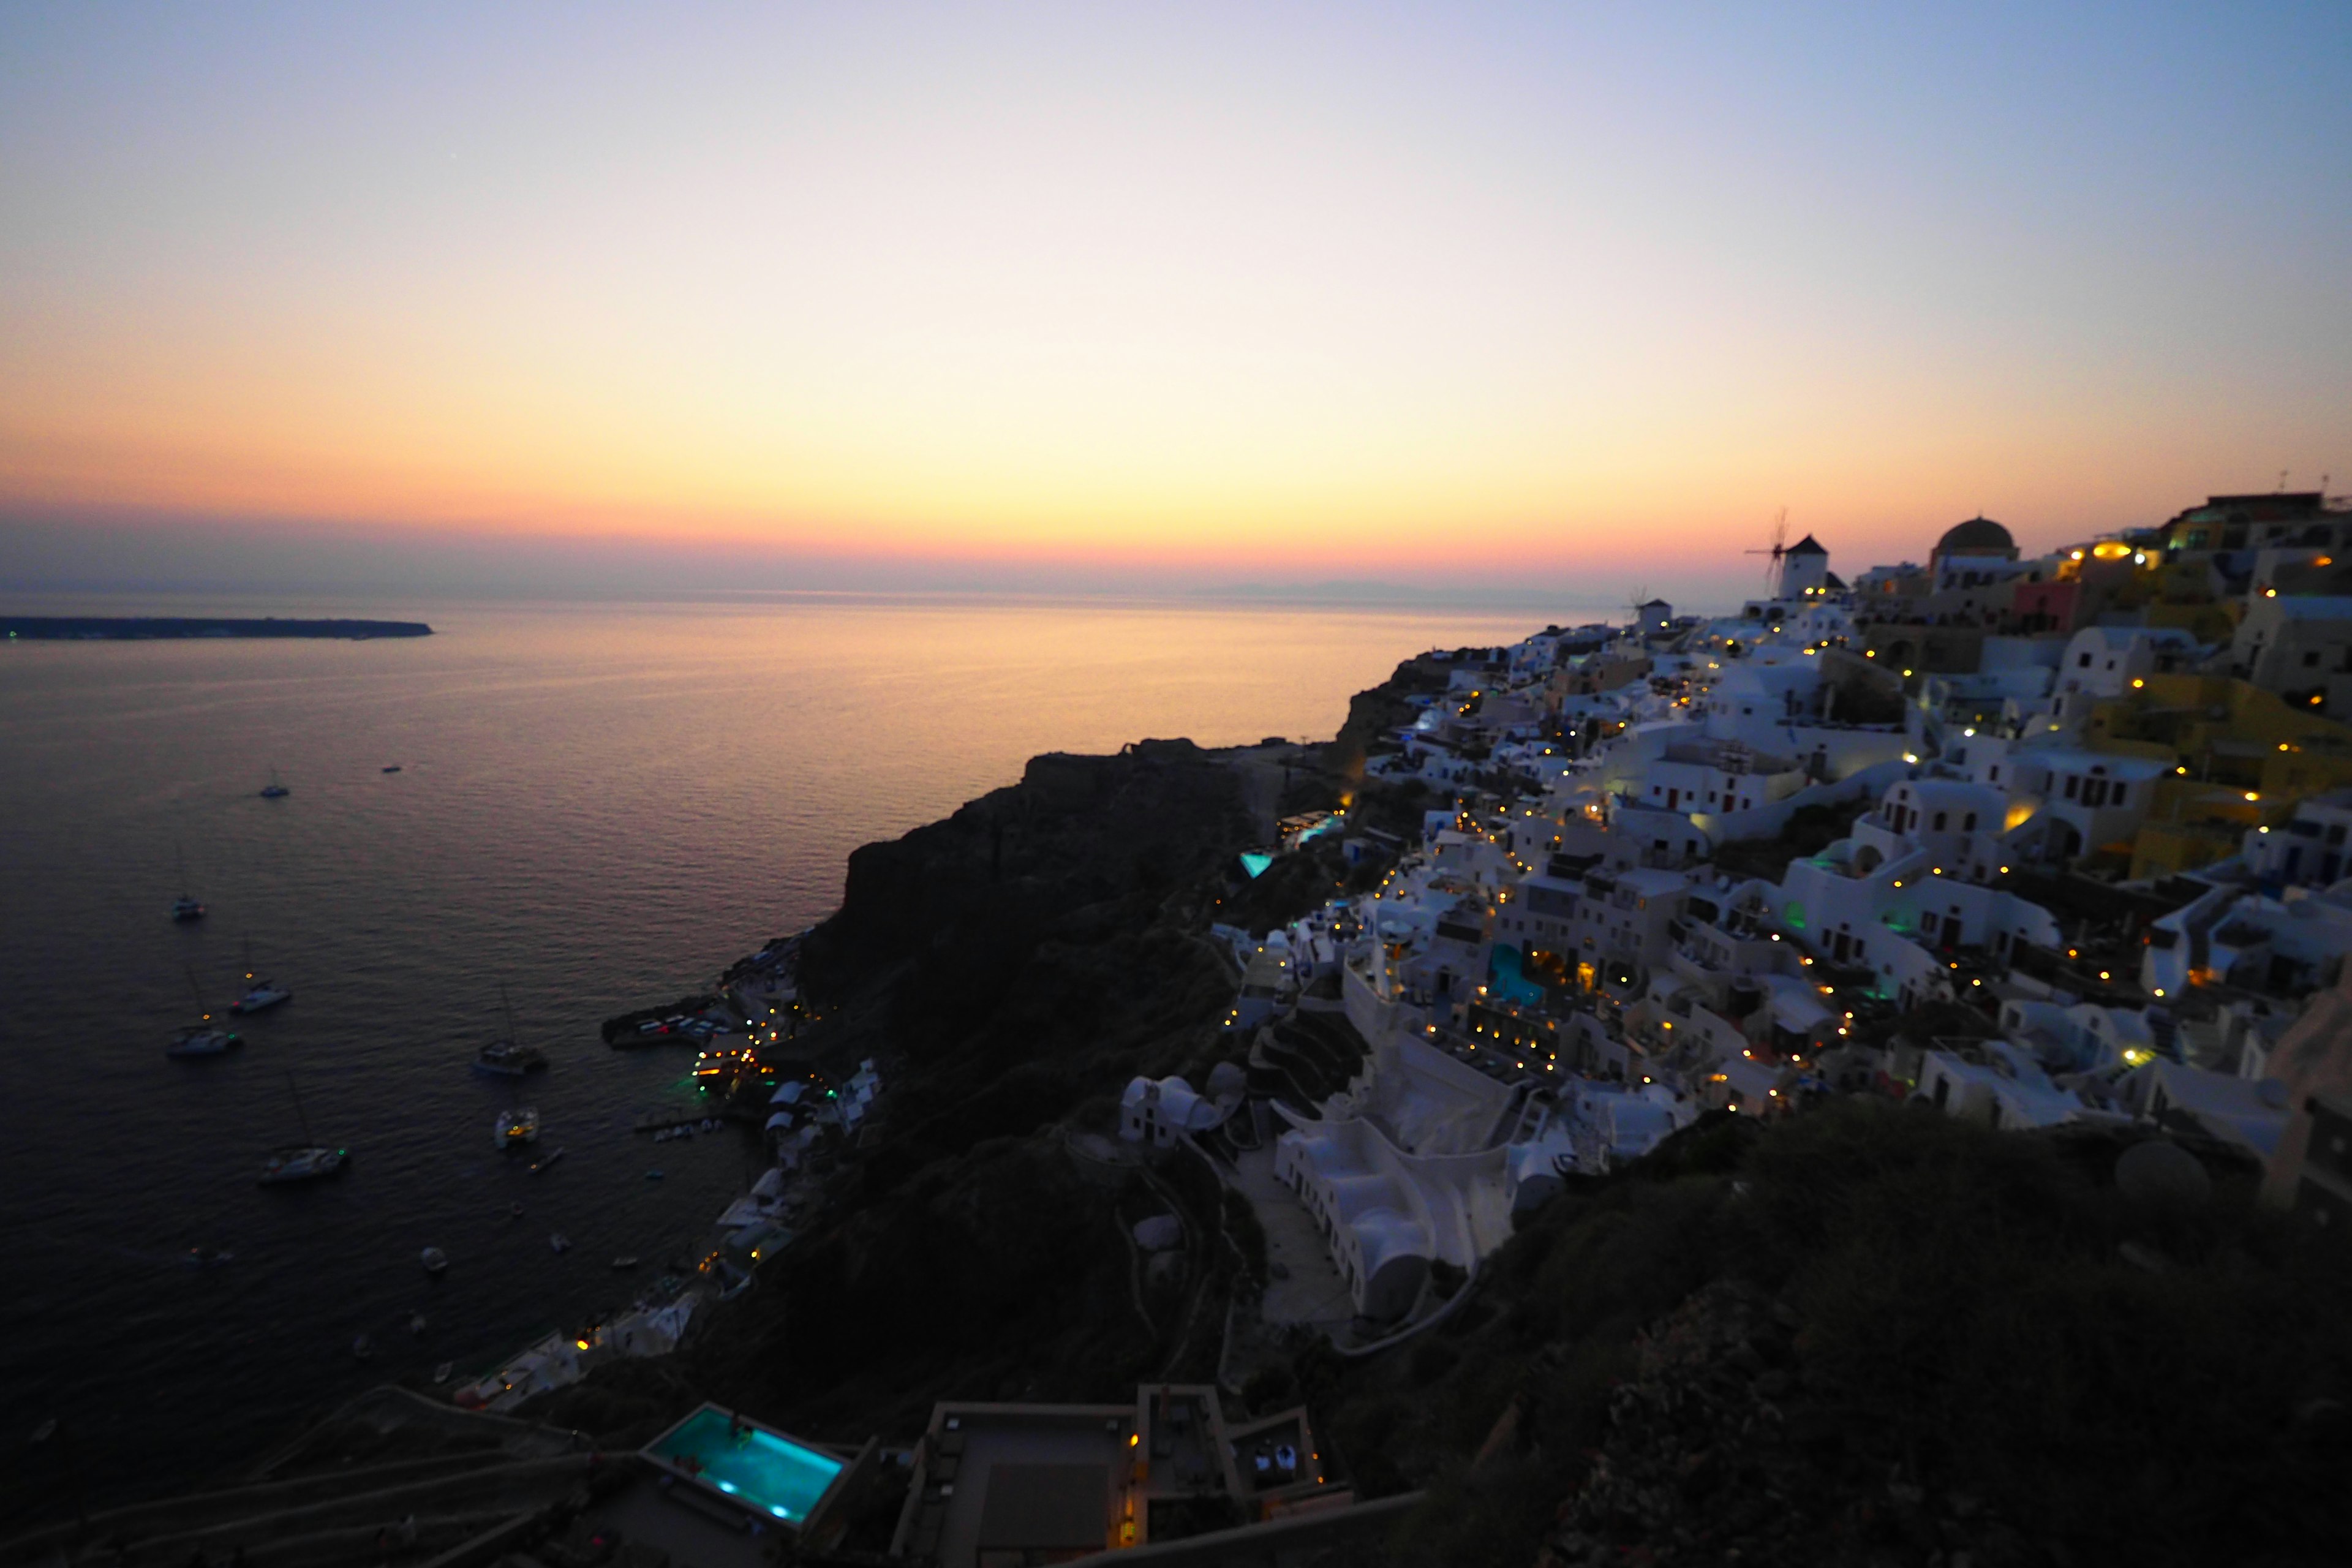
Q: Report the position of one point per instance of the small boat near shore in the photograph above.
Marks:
(207, 1256)
(435, 1261)
(544, 1161)
(273, 790)
(517, 1127)
(624, 1263)
(559, 1243)
(505, 1056)
(504, 1059)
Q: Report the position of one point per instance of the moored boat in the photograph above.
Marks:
(203, 1040)
(186, 909)
(204, 1037)
(260, 995)
(505, 1056)
(306, 1162)
(517, 1127)
(504, 1059)
(434, 1260)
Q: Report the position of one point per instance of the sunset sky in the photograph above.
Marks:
(1133, 296)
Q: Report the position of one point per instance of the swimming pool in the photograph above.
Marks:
(765, 1471)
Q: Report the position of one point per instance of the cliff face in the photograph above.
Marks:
(1061, 851)
(1382, 707)
(1022, 958)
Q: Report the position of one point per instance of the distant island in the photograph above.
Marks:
(144, 629)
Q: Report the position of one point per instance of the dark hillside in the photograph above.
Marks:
(1872, 1335)
(1021, 960)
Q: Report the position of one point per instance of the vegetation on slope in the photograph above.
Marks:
(1872, 1334)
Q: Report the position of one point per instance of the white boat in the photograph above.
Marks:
(306, 1161)
(504, 1056)
(305, 1164)
(203, 1040)
(515, 1128)
(260, 996)
(204, 1037)
(559, 1242)
(185, 908)
(435, 1261)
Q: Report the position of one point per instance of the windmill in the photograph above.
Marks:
(1779, 548)
(1635, 601)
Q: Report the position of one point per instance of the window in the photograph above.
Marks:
(1969, 823)
(2083, 660)
(1939, 821)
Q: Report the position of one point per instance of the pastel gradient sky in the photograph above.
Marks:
(1138, 295)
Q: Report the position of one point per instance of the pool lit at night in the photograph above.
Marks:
(763, 1470)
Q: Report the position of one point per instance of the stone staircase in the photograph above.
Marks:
(463, 1475)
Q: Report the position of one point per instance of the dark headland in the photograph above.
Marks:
(151, 628)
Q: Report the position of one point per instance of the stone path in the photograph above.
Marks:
(1313, 1291)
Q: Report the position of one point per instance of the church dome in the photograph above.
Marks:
(1978, 536)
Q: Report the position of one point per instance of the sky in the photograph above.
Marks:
(1134, 298)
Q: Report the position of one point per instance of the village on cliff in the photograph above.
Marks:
(2029, 840)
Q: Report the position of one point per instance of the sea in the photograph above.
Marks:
(597, 808)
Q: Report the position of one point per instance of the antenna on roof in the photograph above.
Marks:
(1780, 545)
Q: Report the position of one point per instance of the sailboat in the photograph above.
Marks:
(306, 1161)
(204, 1037)
(505, 1056)
(273, 790)
(260, 995)
(185, 908)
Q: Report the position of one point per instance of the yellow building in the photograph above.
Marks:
(2243, 758)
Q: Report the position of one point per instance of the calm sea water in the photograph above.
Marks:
(599, 806)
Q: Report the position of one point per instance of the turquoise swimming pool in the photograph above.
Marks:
(765, 1471)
